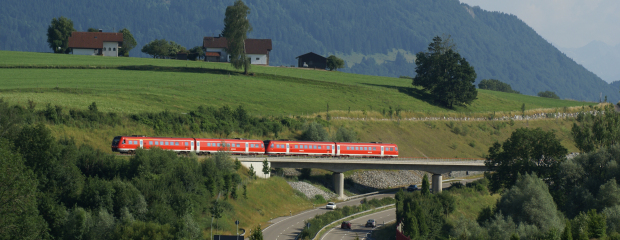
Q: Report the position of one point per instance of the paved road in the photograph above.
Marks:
(358, 226)
(289, 227)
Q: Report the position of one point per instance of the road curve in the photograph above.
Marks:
(358, 226)
(287, 228)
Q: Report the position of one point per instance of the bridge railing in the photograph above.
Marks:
(470, 160)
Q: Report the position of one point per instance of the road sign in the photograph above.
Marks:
(236, 222)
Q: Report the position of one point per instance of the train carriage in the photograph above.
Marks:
(366, 149)
(129, 144)
(300, 148)
(234, 146)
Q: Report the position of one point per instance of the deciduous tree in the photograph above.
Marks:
(445, 74)
(236, 28)
(128, 43)
(334, 63)
(58, 34)
(526, 151)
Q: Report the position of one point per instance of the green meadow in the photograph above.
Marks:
(130, 85)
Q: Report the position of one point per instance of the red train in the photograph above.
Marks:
(129, 144)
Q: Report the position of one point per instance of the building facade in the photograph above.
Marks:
(95, 43)
(255, 49)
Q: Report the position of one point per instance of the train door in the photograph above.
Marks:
(197, 146)
(333, 150)
(382, 151)
(141, 144)
(287, 149)
(247, 148)
(338, 151)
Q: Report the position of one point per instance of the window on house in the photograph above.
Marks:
(257, 58)
(113, 49)
(95, 50)
(109, 49)
(104, 49)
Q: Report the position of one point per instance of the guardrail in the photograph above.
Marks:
(366, 158)
(359, 213)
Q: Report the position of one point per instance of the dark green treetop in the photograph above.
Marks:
(128, 43)
(58, 34)
(236, 28)
(445, 74)
(334, 63)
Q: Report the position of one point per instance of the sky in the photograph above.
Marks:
(564, 23)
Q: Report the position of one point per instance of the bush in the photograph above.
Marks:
(314, 132)
(548, 94)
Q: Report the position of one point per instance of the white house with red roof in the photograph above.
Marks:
(256, 49)
(95, 43)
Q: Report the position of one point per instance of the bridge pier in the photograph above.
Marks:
(339, 184)
(437, 186)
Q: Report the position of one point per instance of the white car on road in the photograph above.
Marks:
(330, 205)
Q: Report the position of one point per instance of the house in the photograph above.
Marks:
(256, 49)
(312, 60)
(95, 43)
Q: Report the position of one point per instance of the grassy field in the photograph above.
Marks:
(130, 85)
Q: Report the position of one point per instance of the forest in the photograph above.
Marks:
(499, 46)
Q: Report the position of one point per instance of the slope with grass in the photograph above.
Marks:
(133, 85)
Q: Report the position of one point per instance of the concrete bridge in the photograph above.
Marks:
(341, 165)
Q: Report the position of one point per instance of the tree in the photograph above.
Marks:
(425, 185)
(92, 30)
(251, 172)
(58, 34)
(530, 202)
(314, 132)
(245, 191)
(526, 151)
(445, 74)
(266, 167)
(602, 131)
(236, 28)
(495, 85)
(158, 48)
(216, 211)
(257, 233)
(334, 63)
(18, 202)
(196, 52)
(128, 43)
(548, 94)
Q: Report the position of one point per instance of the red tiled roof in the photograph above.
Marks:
(252, 46)
(212, 54)
(93, 39)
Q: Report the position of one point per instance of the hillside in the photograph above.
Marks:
(498, 45)
(132, 86)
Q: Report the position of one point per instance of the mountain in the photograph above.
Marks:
(598, 57)
(365, 33)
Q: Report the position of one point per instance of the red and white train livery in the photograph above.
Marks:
(129, 144)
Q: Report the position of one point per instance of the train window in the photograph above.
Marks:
(186, 144)
(150, 142)
(315, 147)
(272, 145)
(329, 147)
(238, 145)
(374, 148)
(319, 147)
(396, 149)
(357, 148)
(263, 145)
(156, 143)
(129, 142)
(166, 143)
(218, 144)
(161, 143)
(123, 141)
(176, 143)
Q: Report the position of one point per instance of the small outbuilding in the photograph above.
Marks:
(312, 60)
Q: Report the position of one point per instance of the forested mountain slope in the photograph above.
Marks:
(498, 45)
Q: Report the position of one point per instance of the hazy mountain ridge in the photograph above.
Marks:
(598, 57)
(498, 45)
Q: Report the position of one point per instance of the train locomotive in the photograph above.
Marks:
(204, 146)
